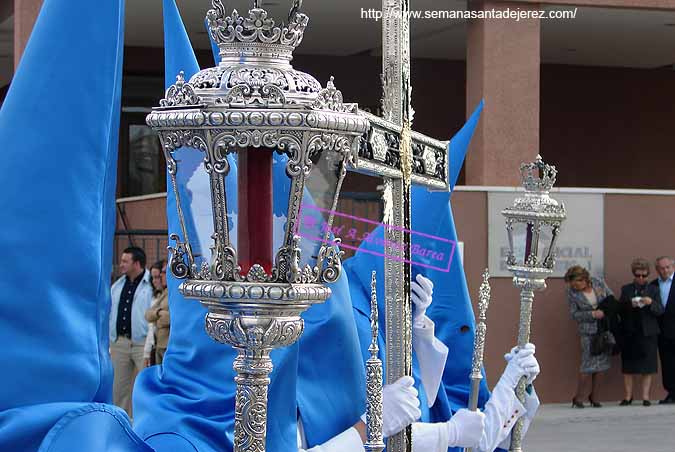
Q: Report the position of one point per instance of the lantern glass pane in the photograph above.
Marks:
(317, 208)
(282, 189)
(545, 237)
(519, 241)
(229, 212)
(195, 193)
(359, 213)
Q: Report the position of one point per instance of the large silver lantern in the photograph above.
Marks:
(254, 111)
(532, 224)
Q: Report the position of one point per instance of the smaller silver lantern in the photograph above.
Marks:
(533, 224)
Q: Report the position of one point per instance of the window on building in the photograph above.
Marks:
(142, 167)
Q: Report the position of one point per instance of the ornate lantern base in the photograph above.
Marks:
(254, 318)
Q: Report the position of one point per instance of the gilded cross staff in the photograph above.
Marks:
(402, 157)
(418, 159)
(479, 342)
(374, 380)
(397, 108)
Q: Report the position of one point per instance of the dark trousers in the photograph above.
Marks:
(667, 354)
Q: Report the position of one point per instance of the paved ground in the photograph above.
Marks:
(559, 428)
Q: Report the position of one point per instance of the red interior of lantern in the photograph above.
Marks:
(528, 243)
(255, 220)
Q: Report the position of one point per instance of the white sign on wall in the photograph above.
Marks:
(581, 239)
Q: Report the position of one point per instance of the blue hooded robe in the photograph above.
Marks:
(59, 131)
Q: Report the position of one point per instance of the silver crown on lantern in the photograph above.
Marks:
(538, 178)
(255, 35)
(255, 68)
(537, 175)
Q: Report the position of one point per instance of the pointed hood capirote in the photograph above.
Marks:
(59, 131)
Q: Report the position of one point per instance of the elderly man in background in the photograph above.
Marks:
(664, 267)
(131, 296)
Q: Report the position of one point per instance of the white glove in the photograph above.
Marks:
(527, 361)
(521, 363)
(400, 406)
(421, 291)
(465, 428)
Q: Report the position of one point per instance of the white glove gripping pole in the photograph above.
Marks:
(400, 405)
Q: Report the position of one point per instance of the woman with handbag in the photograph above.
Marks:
(640, 305)
(584, 295)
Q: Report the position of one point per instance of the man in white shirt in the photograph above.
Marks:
(131, 296)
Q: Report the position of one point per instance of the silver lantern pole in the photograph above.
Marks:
(532, 224)
(254, 104)
(374, 413)
(479, 342)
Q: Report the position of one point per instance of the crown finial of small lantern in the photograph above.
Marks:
(538, 176)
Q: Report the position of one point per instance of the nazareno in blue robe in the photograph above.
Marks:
(451, 307)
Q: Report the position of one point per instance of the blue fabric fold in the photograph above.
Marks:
(95, 426)
(451, 310)
(59, 136)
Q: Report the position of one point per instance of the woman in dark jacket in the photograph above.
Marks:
(640, 305)
(584, 295)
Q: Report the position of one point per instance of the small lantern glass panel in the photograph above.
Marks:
(517, 232)
(531, 243)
